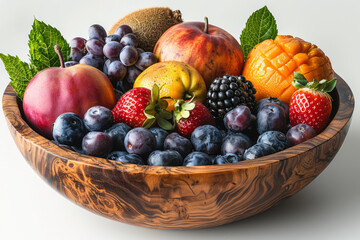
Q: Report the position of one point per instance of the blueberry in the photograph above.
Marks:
(300, 133)
(207, 139)
(274, 100)
(98, 118)
(97, 144)
(131, 158)
(271, 117)
(227, 158)
(160, 135)
(69, 129)
(174, 141)
(118, 132)
(238, 119)
(258, 150)
(140, 141)
(115, 154)
(275, 139)
(197, 159)
(165, 158)
(235, 143)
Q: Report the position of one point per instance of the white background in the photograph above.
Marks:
(328, 208)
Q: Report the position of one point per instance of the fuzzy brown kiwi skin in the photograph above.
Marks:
(149, 24)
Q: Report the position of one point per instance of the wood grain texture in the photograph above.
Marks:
(180, 197)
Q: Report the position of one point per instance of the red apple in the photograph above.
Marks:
(57, 90)
(209, 49)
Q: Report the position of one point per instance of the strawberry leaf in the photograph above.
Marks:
(155, 93)
(165, 114)
(164, 124)
(149, 122)
(330, 85)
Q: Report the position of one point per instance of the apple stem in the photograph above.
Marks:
(58, 51)
(206, 28)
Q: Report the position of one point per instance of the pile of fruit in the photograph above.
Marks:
(194, 97)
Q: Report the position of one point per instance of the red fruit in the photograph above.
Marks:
(142, 107)
(311, 104)
(190, 115)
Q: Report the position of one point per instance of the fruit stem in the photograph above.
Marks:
(58, 51)
(206, 28)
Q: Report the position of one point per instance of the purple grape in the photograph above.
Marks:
(140, 141)
(274, 100)
(112, 49)
(112, 37)
(95, 46)
(97, 144)
(140, 50)
(76, 54)
(70, 63)
(238, 119)
(300, 133)
(271, 117)
(106, 66)
(78, 42)
(175, 141)
(129, 55)
(116, 71)
(122, 30)
(97, 31)
(235, 143)
(98, 118)
(95, 61)
(129, 39)
(145, 60)
(127, 82)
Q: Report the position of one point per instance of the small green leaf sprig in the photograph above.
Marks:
(322, 86)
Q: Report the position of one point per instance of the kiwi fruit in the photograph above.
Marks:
(149, 24)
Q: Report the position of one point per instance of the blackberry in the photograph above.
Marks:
(227, 92)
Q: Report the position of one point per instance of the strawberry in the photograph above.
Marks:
(190, 115)
(141, 107)
(311, 103)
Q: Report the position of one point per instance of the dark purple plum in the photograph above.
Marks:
(69, 129)
(207, 139)
(92, 60)
(122, 30)
(300, 133)
(197, 159)
(128, 55)
(235, 143)
(258, 150)
(70, 63)
(140, 141)
(276, 139)
(131, 158)
(165, 158)
(113, 37)
(145, 60)
(238, 119)
(271, 117)
(78, 42)
(95, 47)
(116, 71)
(227, 158)
(176, 142)
(97, 31)
(118, 132)
(129, 39)
(160, 135)
(98, 118)
(98, 144)
(115, 154)
(112, 49)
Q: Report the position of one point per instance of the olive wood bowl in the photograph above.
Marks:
(180, 197)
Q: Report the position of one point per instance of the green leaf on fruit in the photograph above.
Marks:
(330, 85)
(261, 25)
(164, 124)
(149, 122)
(42, 39)
(20, 73)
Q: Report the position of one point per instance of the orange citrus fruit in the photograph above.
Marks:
(271, 64)
(177, 80)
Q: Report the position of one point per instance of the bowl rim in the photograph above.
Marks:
(340, 120)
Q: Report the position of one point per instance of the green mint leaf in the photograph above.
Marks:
(261, 25)
(20, 73)
(42, 39)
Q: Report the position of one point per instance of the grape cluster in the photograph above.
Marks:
(116, 55)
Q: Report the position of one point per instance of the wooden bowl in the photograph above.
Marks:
(181, 197)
